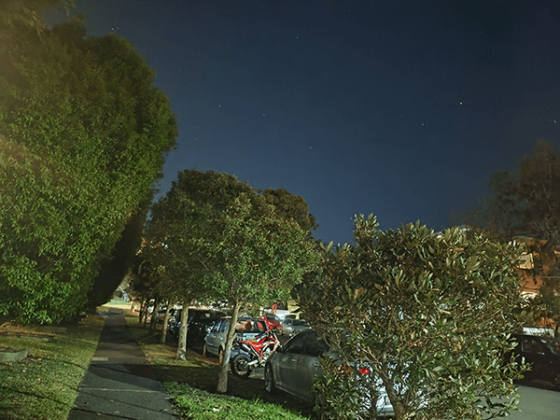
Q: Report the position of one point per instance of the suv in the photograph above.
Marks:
(544, 355)
(247, 329)
(200, 322)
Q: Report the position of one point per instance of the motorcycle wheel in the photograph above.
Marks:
(240, 366)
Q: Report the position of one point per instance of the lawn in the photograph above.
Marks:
(45, 385)
(202, 405)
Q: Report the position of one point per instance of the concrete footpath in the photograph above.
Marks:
(537, 404)
(119, 383)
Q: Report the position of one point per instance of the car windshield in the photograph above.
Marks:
(307, 342)
(553, 345)
(250, 325)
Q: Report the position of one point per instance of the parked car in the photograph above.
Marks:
(543, 354)
(295, 366)
(200, 321)
(293, 326)
(160, 315)
(247, 329)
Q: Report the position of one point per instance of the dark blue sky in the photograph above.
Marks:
(403, 109)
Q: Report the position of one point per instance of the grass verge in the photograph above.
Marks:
(201, 405)
(192, 384)
(45, 385)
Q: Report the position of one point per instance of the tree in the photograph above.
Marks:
(229, 244)
(27, 13)
(290, 206)
(83, 133)
(122, 260)
(429, 314)
(162, 275)
(527, 203)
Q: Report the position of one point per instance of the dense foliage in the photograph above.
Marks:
(219, 239)
(528, 201)
(291, 206)
(83, 133)
(429, 314)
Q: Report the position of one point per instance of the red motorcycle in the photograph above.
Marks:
(251, 354)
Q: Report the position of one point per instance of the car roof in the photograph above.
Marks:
(540, 337)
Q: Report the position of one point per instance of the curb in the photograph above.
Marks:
(13, 356)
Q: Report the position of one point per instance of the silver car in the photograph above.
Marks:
(295, 366)
(246, 329)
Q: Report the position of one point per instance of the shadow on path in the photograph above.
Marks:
(119, 383)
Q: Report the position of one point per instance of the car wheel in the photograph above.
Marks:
(240, 366)
(205, 350)
(220, 356)
(269, 380)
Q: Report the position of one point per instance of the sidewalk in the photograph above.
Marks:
(119, 383)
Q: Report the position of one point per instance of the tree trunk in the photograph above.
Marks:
(146, 312)
(153, 319)
(182, 345)
(141, 311)
(165, 321)
(398, 406)
(223, 378)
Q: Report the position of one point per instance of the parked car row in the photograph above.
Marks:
(200, 322)
(247, 329)
(294, 366)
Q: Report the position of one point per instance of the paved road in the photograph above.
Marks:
(119, 383)
(537, 404)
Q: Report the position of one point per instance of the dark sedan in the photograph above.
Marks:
(200, 321)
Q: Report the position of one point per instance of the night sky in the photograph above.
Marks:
(403, 109)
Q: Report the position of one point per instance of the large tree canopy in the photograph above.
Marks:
(223, 241)
(429, 314)
(83, 133)
(291, 206)
(527, 203)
